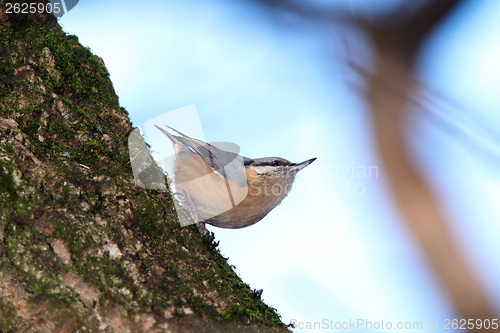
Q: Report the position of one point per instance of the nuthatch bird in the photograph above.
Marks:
(207, 177)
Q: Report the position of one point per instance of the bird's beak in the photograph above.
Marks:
(299, 166)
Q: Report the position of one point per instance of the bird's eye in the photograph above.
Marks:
(275, 163)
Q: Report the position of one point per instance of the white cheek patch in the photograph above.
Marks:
(264, 171)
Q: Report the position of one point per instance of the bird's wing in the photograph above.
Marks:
(217, 159)
(214, 157)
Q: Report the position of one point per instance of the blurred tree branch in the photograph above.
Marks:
(396, 49)
(397, 39)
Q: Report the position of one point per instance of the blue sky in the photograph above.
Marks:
(278, 88)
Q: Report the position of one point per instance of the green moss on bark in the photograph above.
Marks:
(81, 247)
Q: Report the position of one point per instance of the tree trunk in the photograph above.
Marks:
(81, 246)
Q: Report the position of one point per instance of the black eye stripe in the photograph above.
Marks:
(268, 161)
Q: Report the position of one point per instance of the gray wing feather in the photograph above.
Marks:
(217, 159)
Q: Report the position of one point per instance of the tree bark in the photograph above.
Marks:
(81, 246)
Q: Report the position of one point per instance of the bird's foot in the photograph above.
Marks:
(201, 227)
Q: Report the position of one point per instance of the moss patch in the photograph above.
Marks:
(81, 247)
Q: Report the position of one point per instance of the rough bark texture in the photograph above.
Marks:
(82, 248)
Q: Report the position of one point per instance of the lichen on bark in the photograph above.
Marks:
(82, 248)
